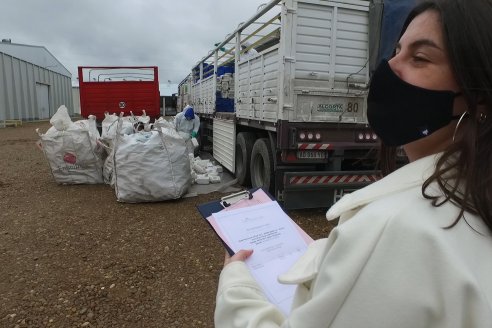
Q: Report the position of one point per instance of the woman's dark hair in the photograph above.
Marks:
(464, 172)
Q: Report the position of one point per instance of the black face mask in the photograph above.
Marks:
(400, 113)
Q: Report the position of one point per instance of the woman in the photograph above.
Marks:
(415, 248)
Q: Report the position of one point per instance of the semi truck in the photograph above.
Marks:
(117, 89)
(282, 99)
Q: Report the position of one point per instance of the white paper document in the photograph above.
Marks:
(276, 240)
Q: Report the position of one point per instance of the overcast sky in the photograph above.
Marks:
(170, 34)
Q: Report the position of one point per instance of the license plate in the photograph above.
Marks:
(312, 154)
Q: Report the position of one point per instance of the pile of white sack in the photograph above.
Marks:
(204, 171)
(71, 149)
(142, 161)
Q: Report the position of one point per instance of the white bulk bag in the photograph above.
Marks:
(108, 169)
(150, 166)
(109, 125)
(71, 156)
(143, 118)
(161, 122)
(109, 129)
(61, 120)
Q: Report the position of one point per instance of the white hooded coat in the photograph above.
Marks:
(391, 262)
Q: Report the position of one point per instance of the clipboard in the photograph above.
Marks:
(207, 209)
(215, 206)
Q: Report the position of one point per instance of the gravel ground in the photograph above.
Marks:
(72, 256)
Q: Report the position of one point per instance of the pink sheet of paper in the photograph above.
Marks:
(259, 197)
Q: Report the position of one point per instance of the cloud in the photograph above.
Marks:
(174, 35)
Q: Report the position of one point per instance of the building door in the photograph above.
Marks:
(42, 93)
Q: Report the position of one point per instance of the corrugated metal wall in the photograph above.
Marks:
(31, 92)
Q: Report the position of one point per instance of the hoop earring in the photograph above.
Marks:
(458, 124)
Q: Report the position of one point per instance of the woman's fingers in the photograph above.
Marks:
(239, 256)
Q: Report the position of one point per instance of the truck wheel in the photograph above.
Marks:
(244, 146)
(262, 165)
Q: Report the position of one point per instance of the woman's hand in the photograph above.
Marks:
(239, 256)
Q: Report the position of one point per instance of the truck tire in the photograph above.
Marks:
(261, 167)
(244, 146)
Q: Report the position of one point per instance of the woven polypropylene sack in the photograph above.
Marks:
(150, 166)
(71, 157)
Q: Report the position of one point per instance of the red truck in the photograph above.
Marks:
(116, 89)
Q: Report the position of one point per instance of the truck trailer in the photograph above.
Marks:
(282, 99)
(119, 89)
